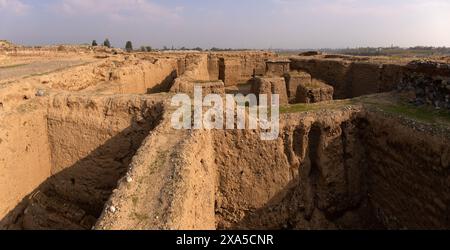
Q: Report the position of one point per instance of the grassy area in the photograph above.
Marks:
(422, 114)
(303, 107)
(401, 107)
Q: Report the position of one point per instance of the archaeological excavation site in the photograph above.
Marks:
(86, 142)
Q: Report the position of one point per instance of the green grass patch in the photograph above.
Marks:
(296, 108)
(423, 114)
(305, 107)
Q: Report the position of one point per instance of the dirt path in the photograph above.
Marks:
(16, 71)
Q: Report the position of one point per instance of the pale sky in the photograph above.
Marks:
(257, 24)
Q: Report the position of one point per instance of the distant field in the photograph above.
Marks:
(400, 52)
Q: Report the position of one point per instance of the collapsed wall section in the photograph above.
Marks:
(428, 83)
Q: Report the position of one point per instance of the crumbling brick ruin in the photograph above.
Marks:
(86, 142)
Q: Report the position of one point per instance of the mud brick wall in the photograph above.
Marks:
(351, 79)
(277, 68)
(269, 86)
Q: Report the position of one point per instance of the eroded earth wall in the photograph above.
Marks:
(25, 157)
(73, 158)
(352, 78)
(344, 169)
(408, 174)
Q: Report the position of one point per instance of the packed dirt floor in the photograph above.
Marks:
(86, 142)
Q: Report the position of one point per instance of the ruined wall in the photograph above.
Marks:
(182, 85)
(277, 67)
(351, 78)
(408, 175)
(293, 80)
(84, 146)
(230, 71)
(78, 78)
(332, 72)
(238, 68)
(25, 154)
(197, 68)
(92, 142)
(428, 80)
(251, 173)
(344, 169)
(268, 86)
(315, 91)
(311, 177)
(231, 68)
(146, 76)
(193, 206)
(128, 76)
(213, 67)
(171, 185)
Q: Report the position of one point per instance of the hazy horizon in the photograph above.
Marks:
(259, 24)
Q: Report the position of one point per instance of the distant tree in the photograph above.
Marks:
(129, 46)
(148, 49)
(94, 43)
(106, 43)
(198, 49)
(183, 48)
(165, 48)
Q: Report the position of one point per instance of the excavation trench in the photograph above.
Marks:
(349, 169)
(82, 147)
(358, 170)
(304, 180)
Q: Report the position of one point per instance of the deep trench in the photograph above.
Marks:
(328, 189)
(74, 195)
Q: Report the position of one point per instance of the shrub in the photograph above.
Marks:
(129, 46)
(106, 43)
